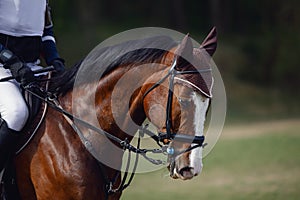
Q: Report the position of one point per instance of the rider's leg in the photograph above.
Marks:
(8, 138)
(14, 114)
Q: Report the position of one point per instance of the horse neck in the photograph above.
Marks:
(105, 102)
(124, 90)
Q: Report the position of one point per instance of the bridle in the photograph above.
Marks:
(166, 137)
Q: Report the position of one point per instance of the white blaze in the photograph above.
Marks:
(201, 105)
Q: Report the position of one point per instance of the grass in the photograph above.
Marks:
(260, 166)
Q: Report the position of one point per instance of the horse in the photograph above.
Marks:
(169, 90)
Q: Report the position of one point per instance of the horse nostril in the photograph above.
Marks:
(186, 172)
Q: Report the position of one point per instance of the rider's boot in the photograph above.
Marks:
(8, 138)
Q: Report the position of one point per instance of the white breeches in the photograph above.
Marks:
(13, 108)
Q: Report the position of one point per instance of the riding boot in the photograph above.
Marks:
(8, 138)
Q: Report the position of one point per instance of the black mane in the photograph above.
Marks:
(143, 51)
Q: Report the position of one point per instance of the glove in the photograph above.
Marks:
(58, 65)
(19, 70)
(22, 73)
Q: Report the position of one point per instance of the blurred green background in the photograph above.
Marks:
(259, 43)
(258, 56)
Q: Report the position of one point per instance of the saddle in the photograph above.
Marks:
(37, 110)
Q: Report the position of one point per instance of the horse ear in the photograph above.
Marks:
(210, 42)
(185, 49)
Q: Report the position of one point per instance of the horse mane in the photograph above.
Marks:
(146, 50)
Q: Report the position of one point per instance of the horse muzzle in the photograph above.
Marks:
(179, 168)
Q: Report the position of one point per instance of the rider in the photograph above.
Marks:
(26, 32)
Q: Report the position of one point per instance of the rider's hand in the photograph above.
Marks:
(25, 76)
(58, 65)
(19, 70)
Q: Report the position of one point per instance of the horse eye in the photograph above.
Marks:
(184, 102)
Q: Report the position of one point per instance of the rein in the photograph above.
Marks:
(52, 101)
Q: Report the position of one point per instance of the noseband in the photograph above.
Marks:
(166, 137)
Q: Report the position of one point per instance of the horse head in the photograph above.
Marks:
(178, 101)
